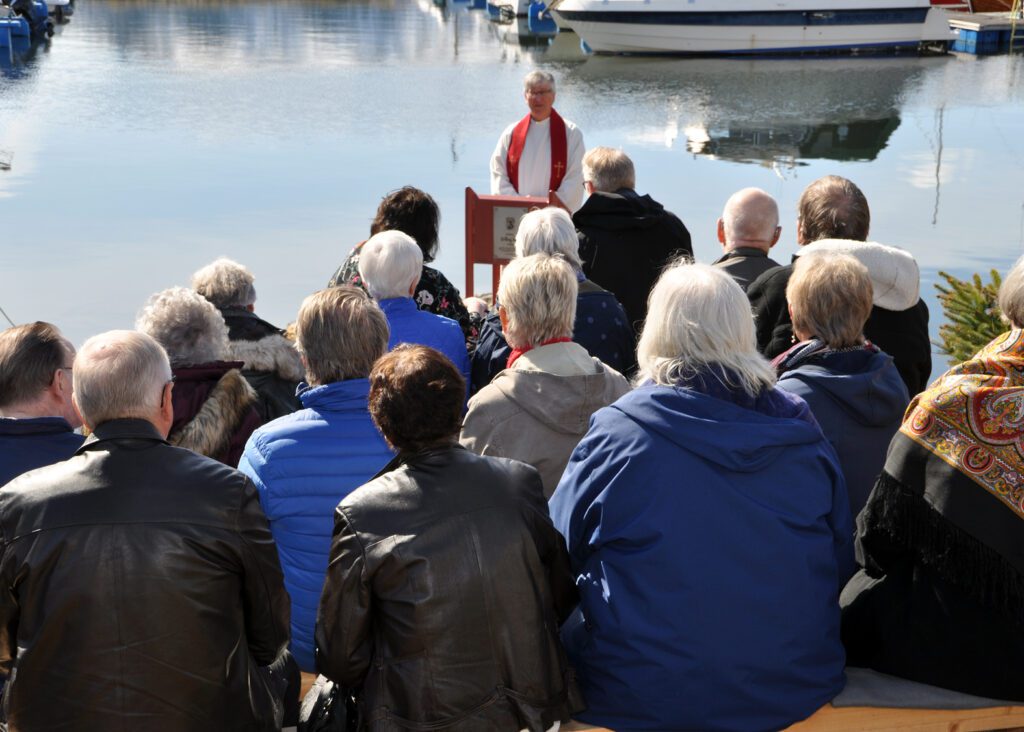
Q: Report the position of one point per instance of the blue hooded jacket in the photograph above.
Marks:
(708, 537)
(303, 464)
(858, 398)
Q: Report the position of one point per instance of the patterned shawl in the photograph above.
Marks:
(951, 495)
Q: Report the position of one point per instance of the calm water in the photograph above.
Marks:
(148, 138)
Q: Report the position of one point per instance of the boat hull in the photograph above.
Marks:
(703, 28)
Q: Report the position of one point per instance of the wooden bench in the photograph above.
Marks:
(881, 719)
(868, 719)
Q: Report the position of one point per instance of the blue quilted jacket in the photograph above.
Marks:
(303, 465)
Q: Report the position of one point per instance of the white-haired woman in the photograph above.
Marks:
(538, 408)
(941, 539)
(214, 406)
(390, 264)
(601, 325)
(708, 528)
(853, 389)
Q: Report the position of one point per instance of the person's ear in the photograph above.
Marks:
(775, 238)
(503, 317)
(412, 285)
(800, 233)
(721, 232)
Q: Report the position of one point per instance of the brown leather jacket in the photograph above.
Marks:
(446, 586)
(141, 591)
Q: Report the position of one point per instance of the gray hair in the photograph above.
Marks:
(226, 283)
(119, 374)
(340, 332)
(1011, 295)
(750, 215)
(539, 296)
(697, 317)
(537, 77)
(187, 325)
(608, 169)
(830, 295)
(549, 231)
(389, 262)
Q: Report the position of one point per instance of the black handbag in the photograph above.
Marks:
(328, 707)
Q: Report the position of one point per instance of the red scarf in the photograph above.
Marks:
(559, 150)
(517, 352)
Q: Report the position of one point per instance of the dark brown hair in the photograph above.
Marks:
(416, 397)
(29, 356)
(412, 212)
(833, 208)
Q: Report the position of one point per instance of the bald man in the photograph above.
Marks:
(748, 229)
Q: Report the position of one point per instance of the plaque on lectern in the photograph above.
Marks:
(491, 226)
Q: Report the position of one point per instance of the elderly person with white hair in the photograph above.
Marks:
(853, 389)
(601, 325)
(708, 529)
(272, 365)
(941, 541)
(538, 408)
(214, 406)
(390, 264)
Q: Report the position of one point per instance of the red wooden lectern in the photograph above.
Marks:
(491, 225)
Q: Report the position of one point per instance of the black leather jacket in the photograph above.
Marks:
(141, 591)
(446, 586)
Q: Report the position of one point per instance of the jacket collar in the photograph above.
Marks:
(336, 396)
(33, 425)
(122, 429)
(414, 456)
(742, 252)
(397, 305)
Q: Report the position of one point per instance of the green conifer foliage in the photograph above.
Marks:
(972, 315)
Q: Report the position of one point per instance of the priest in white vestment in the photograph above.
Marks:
(540, 150)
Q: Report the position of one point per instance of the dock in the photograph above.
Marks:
(986, 33)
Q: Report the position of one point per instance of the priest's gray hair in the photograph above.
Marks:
(389, 262)
(119, 374)
(698, 317)
(340, 332)
(226, 283)
(539, 296)
(1011, 295)
(187, 325)
(536, 78)
(548, 231)
(608, 169)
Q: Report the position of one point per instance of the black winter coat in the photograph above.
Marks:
(142, 591)
(903, 334)
(272, 365)
(625, 241)
(445, 588)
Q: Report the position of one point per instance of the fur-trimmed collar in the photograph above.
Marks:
(274, 353)
(210, 431)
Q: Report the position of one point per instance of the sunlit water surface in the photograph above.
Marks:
(148, 138)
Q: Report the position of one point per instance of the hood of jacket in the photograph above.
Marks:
(735, 437)
(894, 273)
(562, 403)
(338, 396)
(624, 209)
(864, 385)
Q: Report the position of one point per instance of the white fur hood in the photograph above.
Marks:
(895, 276)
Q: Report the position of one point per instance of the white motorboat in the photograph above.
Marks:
(755, 27)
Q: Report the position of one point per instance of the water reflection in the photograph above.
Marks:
(776, 113)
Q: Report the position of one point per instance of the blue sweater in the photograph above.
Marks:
(409, 324)
(303, 464)
(708, 538)
(27, 444)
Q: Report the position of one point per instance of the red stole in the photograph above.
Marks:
(517, 352)
(559, 150)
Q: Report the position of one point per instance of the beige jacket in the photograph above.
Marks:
(538, 410)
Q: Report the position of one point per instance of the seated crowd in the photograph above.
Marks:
(680, 496)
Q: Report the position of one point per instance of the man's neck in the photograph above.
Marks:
(545, 118)
(30, 410)
(747, 244)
